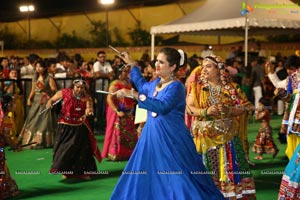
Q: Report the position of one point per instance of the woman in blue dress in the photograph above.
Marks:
(165, 164)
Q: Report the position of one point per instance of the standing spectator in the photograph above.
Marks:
(40, 128)
(164, 164)
(278, 83)
(120, 132)
(261, 52)
(15, 90)
(84, 71)
(28, 69)
(207, 51)
(103, 73)
(63, 70)
(257, 74)
(5, 66)
(75, 143)
(231, 55)
(28, 72)
(264, 143)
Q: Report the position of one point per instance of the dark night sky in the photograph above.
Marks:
(9, 9)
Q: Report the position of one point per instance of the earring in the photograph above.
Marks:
(172, 75)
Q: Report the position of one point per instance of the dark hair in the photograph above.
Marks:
(32, 58)
(50, 61)
(265, 101)
(293, 61)
(43, 65)
(101, 52)
(173, 56)
(63, 57)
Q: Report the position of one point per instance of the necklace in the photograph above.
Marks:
(214, 94)
(76, 96)
(160, 83)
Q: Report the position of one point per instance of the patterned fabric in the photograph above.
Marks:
(75, 144)
(222, 141)
(292, 124)
(264, 143)
(120, 135)
(290, 187)
(39, 128)
(73, 110)
(8, 186)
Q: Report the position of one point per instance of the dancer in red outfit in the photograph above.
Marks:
(75, 144)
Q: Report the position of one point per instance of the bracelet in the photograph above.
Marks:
(284, 95)
(132, 93)
(116, 110)
(203, 113)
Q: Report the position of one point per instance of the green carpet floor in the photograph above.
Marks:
(30, 170)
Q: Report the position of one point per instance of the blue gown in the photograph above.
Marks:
(164, 164)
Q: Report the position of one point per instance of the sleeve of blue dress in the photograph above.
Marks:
(160, 106)
(165, 104)
(138, 80)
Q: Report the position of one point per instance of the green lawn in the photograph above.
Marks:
(30, 170)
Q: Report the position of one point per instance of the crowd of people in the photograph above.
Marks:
(193, 143)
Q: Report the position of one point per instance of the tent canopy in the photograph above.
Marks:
(219, 17)
(220, 14)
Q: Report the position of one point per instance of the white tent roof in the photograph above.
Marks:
(220, 17)
(217, 15)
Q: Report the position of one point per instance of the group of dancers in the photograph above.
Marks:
(193, 145)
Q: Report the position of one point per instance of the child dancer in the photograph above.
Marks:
(264, 143)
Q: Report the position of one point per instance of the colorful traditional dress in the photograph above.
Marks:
(164, 164)
(290, 183)
(220, 139)
(8, 186)
(293, 126)
(15, 117)
(39, 128)
(120, 134)
(264, 143)
(75, 143)
(193, 77)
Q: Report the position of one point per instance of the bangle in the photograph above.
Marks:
(283, 95)
(203, 113)
(116, 110)
(132, 93)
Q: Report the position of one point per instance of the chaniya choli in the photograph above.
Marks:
(290, 183)
(121, 134)
(222, 140)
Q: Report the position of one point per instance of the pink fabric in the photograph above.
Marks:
(110, 121)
